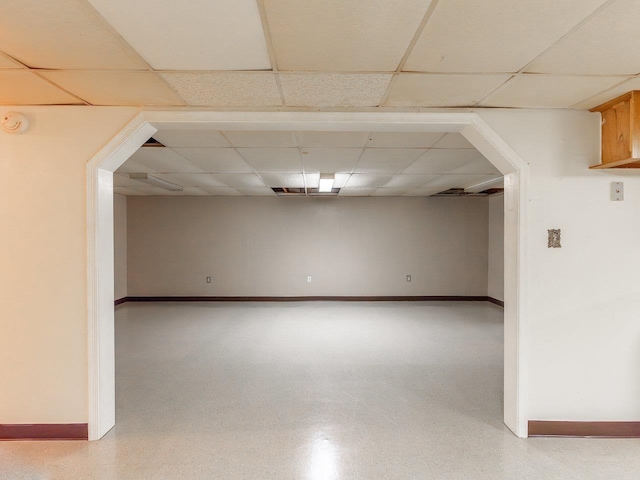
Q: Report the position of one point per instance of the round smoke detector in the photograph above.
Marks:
(14, 122)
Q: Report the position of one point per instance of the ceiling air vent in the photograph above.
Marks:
(152, 142)
(459, 192)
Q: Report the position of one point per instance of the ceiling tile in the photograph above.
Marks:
(290, 180)
(496, 36)
(163, 160)
(390, 192)
(333, 139)
(191, 138)
(414, 89)
(609, 94)
(357, 192)
(402, 139)
(171, 35)
(445, 182)
(359, 180)
(607, 44)
(185, 192)
(341, 180)
(122, 180)
(131, 166)
(480, 166)
(442, 161)
(312, 180)
(386, 160)
(409, 181)
(215, 160)
(7, 62)
(334, 35)
(330, 160)
(553, 91)
(241, 180)
(193, 179)
(128, 191)
(261, 139)
(222, 191)
(62, 34)
(273, 160)
(257, 192)
(115, 88)
(20, 87)
(237, 89)
(334, 89)
(453, 140)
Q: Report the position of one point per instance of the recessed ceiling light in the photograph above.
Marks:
(326, 183)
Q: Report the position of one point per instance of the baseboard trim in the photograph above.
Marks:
(44, 431)
(496, 301)
(120, 301)
(393, 298)
(544, 428)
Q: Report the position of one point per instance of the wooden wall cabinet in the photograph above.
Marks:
(620, 131)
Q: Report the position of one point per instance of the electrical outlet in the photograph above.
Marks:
(617, 191)
(408, 278)
(309, 279)
(208, 279)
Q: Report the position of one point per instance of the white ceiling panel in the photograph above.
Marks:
(7, 62)
(171, 35)
(480, 166)
(330, 160)
(359, 180)
(402, 139)
(128, 191)
(215, 160)
(222, 191)
(185, 192)
(334, 89)
(163, 160)
(357, 192)
(453, 140)
(312, 180)
(414, 89)
(273, 160)
(191, 138)
(257, 192)
(409, 181)
(193, 179)
(290, 180)
(62, 34)
(552, 91)
(607, 44)
(334, 35)
(332, 139)
(390, 192)
(387, 160)
(609, 94)
(115, 88)
(122, 180)
(20, 87)
(497, 36)
(261, 139)
(241, 180)
(442, 161)
(131, 166)
(233, 89)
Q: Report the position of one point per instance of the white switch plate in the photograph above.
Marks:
(309, 279)
(408, 278)
(617, 191)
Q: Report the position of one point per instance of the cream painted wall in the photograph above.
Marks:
(495, 282)
(120, 245)
(268, 246)
(43, 267)
(583, 300)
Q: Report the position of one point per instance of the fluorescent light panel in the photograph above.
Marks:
(326, 183)
(155, 181)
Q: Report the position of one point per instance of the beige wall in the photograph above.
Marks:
(495, 283)
(268, 246)
(43, 261)
(120, 245)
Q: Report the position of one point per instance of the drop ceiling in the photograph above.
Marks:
(279, 54)
(252, 163)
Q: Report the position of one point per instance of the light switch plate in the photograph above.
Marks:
(617, 191)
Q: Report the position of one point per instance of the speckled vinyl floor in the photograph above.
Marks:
(317, 391)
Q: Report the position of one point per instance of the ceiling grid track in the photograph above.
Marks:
(270, 49)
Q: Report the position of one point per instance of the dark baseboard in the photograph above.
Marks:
(44, 431)
(120, 301)
(428, 298)
(540, 428)
(496, 301)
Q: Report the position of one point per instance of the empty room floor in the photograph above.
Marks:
(318, 391)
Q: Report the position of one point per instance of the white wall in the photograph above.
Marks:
(495, 282)
(43, 265)
(268, 246)
(120, 245)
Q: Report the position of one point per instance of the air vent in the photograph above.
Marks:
(152, 142)
(459, 192)
(300, 192)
